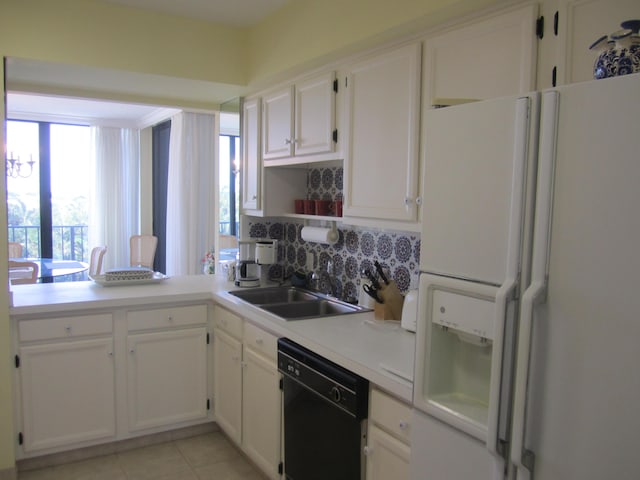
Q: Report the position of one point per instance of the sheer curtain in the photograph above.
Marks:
(191, 192)
(115, 202)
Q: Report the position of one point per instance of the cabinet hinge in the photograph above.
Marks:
(335, 136)
(335, 85)
(555, 23)
(20, 438)
(17, 359)
(208, 404)
(554, 76)
(540, 27)
(281, 384)
(280, 468)
(208, 338)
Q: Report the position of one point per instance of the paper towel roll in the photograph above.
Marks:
(319, 235)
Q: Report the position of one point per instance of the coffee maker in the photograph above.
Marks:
(266, 255)
(247, 270)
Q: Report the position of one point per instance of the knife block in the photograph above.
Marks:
(391, 309)
(382, 312)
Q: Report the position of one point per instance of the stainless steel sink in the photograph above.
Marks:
(269, 295)
(293, 303)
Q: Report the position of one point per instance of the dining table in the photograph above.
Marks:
(50, 268)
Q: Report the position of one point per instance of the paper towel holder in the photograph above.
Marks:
(331, 233)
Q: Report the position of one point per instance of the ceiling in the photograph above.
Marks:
(240, 13)
(21, 104)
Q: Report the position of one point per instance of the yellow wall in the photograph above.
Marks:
(88, 32)
(99, 34)
(310, 31)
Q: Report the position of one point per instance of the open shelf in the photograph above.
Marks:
(324, 218)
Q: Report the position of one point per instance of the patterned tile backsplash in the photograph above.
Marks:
(356, 249)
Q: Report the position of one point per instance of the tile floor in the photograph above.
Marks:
(204, 457)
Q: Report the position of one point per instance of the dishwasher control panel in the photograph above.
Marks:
(325, 378)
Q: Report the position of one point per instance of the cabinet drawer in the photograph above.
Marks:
(167, 317)
(228, 322)
(391, 415)
(260, 341)
(65, 327)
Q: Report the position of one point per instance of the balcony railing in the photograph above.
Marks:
(70, 242)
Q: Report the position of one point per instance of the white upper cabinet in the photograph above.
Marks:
(486, 58)
(277, 125)
(381, 161)
(299, 120)
(251, 168)
(579, 24)
(315, 115)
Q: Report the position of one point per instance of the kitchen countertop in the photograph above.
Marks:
(379, 351)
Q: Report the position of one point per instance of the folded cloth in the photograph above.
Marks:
(128, 273)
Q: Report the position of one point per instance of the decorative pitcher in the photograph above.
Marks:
(619, 52)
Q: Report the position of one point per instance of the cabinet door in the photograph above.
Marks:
(581, 22)
(67, 393)
(488, 58)
(261, 407)
(167, 377)
(381, 168)
(314, 115)
(387, 457)
(277, 124)
(251, 163)
(227, 384)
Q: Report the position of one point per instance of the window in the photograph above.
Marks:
(48, 207)
(229, 184)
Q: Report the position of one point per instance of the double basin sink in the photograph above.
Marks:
(294, 303)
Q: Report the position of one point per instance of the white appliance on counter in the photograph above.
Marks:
(528, 329)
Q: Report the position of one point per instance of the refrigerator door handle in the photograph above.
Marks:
(507, 289)
(535, 293)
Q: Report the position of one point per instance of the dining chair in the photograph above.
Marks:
(23, 272)
(95, 263)
(228, 241)
(142, 249)
(15, 250)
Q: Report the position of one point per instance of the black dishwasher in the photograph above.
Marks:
(325, 412)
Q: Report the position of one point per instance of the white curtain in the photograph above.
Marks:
(191, 212)
(115, 202)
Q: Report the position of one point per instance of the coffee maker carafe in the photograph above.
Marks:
(246, 267)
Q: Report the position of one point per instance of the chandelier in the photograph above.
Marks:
(16, 168)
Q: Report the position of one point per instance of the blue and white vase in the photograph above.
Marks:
(619, 52)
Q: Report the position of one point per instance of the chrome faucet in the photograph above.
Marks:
(315, 279)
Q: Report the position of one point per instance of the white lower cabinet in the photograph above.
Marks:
(65, 372)
(227, 383)
(67, 393)
(247, 389)
(100, 377)
(166, 366)
(388, 448)
(166, 377)
(261, 401)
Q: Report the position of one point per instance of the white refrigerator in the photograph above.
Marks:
(528, 335)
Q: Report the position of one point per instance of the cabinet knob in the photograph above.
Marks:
(254, 197)
(367, 450)
(110, 354)
(287, 141)
(132, 351)
(67, 330)
(408, 201)
(170, 318)
(403, 424)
